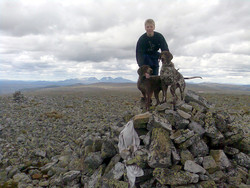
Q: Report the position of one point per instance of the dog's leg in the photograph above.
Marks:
(164, 93)
(182, 89)
(148, 103)
(174, 96)
(156, 94)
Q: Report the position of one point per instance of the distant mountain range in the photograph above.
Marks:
(10, 86)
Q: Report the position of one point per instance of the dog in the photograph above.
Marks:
(148, 86)
(171, 77)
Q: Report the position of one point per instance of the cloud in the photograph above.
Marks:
(63, 39)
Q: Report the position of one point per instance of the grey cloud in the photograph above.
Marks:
(69, 38)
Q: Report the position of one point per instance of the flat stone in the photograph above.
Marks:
(220, 158)
(183, 114)
(171, 177)
(191, 166)
(209, 164)
(141, 120)
(196, 127)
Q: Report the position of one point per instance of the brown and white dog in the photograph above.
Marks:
(149, 85)
(171, 77)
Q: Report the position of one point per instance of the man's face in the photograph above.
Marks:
(150, 29)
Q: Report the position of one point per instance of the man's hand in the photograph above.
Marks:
(147, 75)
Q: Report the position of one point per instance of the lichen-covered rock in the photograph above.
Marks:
(111, 183)
(22, 178)
(186, 155)
(243, 159)
(92, 162)
(220, 158)
(189, 142)
(197, 128)
(160, 149)
(182, 135)
(141, 120)
(108, 149)
(171, 177)
(191, 166)
(112, 163)
(207, 184)
(244, 144)
(156, 121)
(222, 119)
(93, 180)
(218, 176)
(199, 148)
(211, 131)
(183, 114)
(186, 108)
(209, 164)
(191, 96)
(70, 176)
(116, 172)
(140, 159)
(231, 151)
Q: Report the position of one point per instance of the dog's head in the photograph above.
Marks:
(144, 69)
(166, 57)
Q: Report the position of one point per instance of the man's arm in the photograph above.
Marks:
(139, 53)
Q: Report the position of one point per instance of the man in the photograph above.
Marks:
(148, 45)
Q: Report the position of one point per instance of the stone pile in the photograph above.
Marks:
(195, 146)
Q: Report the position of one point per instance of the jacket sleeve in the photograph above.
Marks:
(163, 43)
(139, 53)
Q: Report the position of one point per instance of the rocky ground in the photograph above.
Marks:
(45, 136)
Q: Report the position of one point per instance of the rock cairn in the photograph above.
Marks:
(195, 146)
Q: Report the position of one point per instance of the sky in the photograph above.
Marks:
(65, 39)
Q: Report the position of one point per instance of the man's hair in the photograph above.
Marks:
(150, 21)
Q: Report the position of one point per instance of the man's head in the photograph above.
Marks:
(150, 27)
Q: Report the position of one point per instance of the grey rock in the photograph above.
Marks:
(48, 166)
(160, 149)
(93, 180)
(199, 148)
(191, 166)
(108, 149)
(231, 151)
(191, 96)
(40, 153)
(184, 114)
(243, 159)
(220, 158)
(171, 177)
(147, 138)
(175, 155)
(186, 107)
(158, 121)
(116, 172)
(22, 177)
(70, 176)
(197, 128)
(93, 160)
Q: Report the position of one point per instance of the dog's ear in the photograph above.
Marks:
(161, 55)
(139, 71)
(170, 56)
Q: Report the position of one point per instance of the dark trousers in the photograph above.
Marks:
(152, 61)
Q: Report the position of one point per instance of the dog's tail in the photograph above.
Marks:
(186, 78)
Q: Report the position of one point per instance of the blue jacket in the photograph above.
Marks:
(149, 46)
